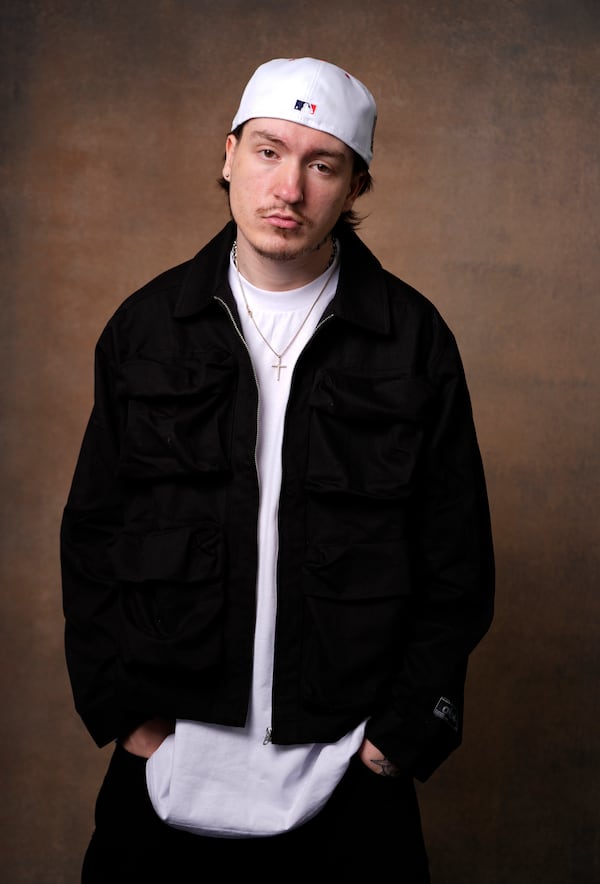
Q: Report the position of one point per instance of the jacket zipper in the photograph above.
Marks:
(269, 733)
(268, 738)
(242, 339)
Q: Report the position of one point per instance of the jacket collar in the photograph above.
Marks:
(206, 275)
(361, 297)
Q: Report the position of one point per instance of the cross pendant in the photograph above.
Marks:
(279, 366)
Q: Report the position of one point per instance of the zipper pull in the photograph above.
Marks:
(267, 738)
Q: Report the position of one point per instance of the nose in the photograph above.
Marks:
(289, 185)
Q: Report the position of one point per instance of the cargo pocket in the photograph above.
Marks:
(171, 597)
(356, 600)
(178, 415)
(365, 433)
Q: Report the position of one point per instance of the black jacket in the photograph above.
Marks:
(385, 573)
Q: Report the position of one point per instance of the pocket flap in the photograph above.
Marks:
(362, 571)
(182, 554)
(360, 397)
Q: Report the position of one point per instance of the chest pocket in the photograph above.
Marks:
(366, 433)
(178, 414)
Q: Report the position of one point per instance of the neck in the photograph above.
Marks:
(280, 274)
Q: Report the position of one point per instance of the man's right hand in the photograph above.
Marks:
(146, 738)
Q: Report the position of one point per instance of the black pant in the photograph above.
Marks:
(371, 823)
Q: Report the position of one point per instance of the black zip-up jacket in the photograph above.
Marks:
(385, 570)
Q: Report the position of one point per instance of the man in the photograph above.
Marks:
(276, 550)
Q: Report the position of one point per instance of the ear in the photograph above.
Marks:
(355, 189)
(230, 147)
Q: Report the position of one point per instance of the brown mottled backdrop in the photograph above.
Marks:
(487, 193)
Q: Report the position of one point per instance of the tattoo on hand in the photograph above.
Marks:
(386, 767)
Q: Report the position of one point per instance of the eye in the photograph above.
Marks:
(267, 153)
(323, 168)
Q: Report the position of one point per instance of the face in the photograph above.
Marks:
(289, 185)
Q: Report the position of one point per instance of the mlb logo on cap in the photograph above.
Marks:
(300, 105)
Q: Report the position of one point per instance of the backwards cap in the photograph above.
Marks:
(314, 93)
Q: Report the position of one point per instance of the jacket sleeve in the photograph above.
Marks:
(92, 514)
(452, 569)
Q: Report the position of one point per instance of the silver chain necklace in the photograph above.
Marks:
(279, 364)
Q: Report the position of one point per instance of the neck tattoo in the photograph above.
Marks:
(278, 366)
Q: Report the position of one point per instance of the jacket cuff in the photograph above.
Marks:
(419, 740)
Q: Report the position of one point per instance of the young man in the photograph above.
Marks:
(276, 550)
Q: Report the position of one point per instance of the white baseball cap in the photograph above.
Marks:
(314, 93)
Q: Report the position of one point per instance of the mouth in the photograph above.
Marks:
(282, 221)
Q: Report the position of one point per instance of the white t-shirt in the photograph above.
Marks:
(233, 782)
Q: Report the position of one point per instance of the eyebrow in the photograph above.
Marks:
(257, 135)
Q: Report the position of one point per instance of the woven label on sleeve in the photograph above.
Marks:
(446, 710)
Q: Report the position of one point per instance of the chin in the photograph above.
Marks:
(284, 250)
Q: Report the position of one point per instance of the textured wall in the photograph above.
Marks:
(486, 198)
